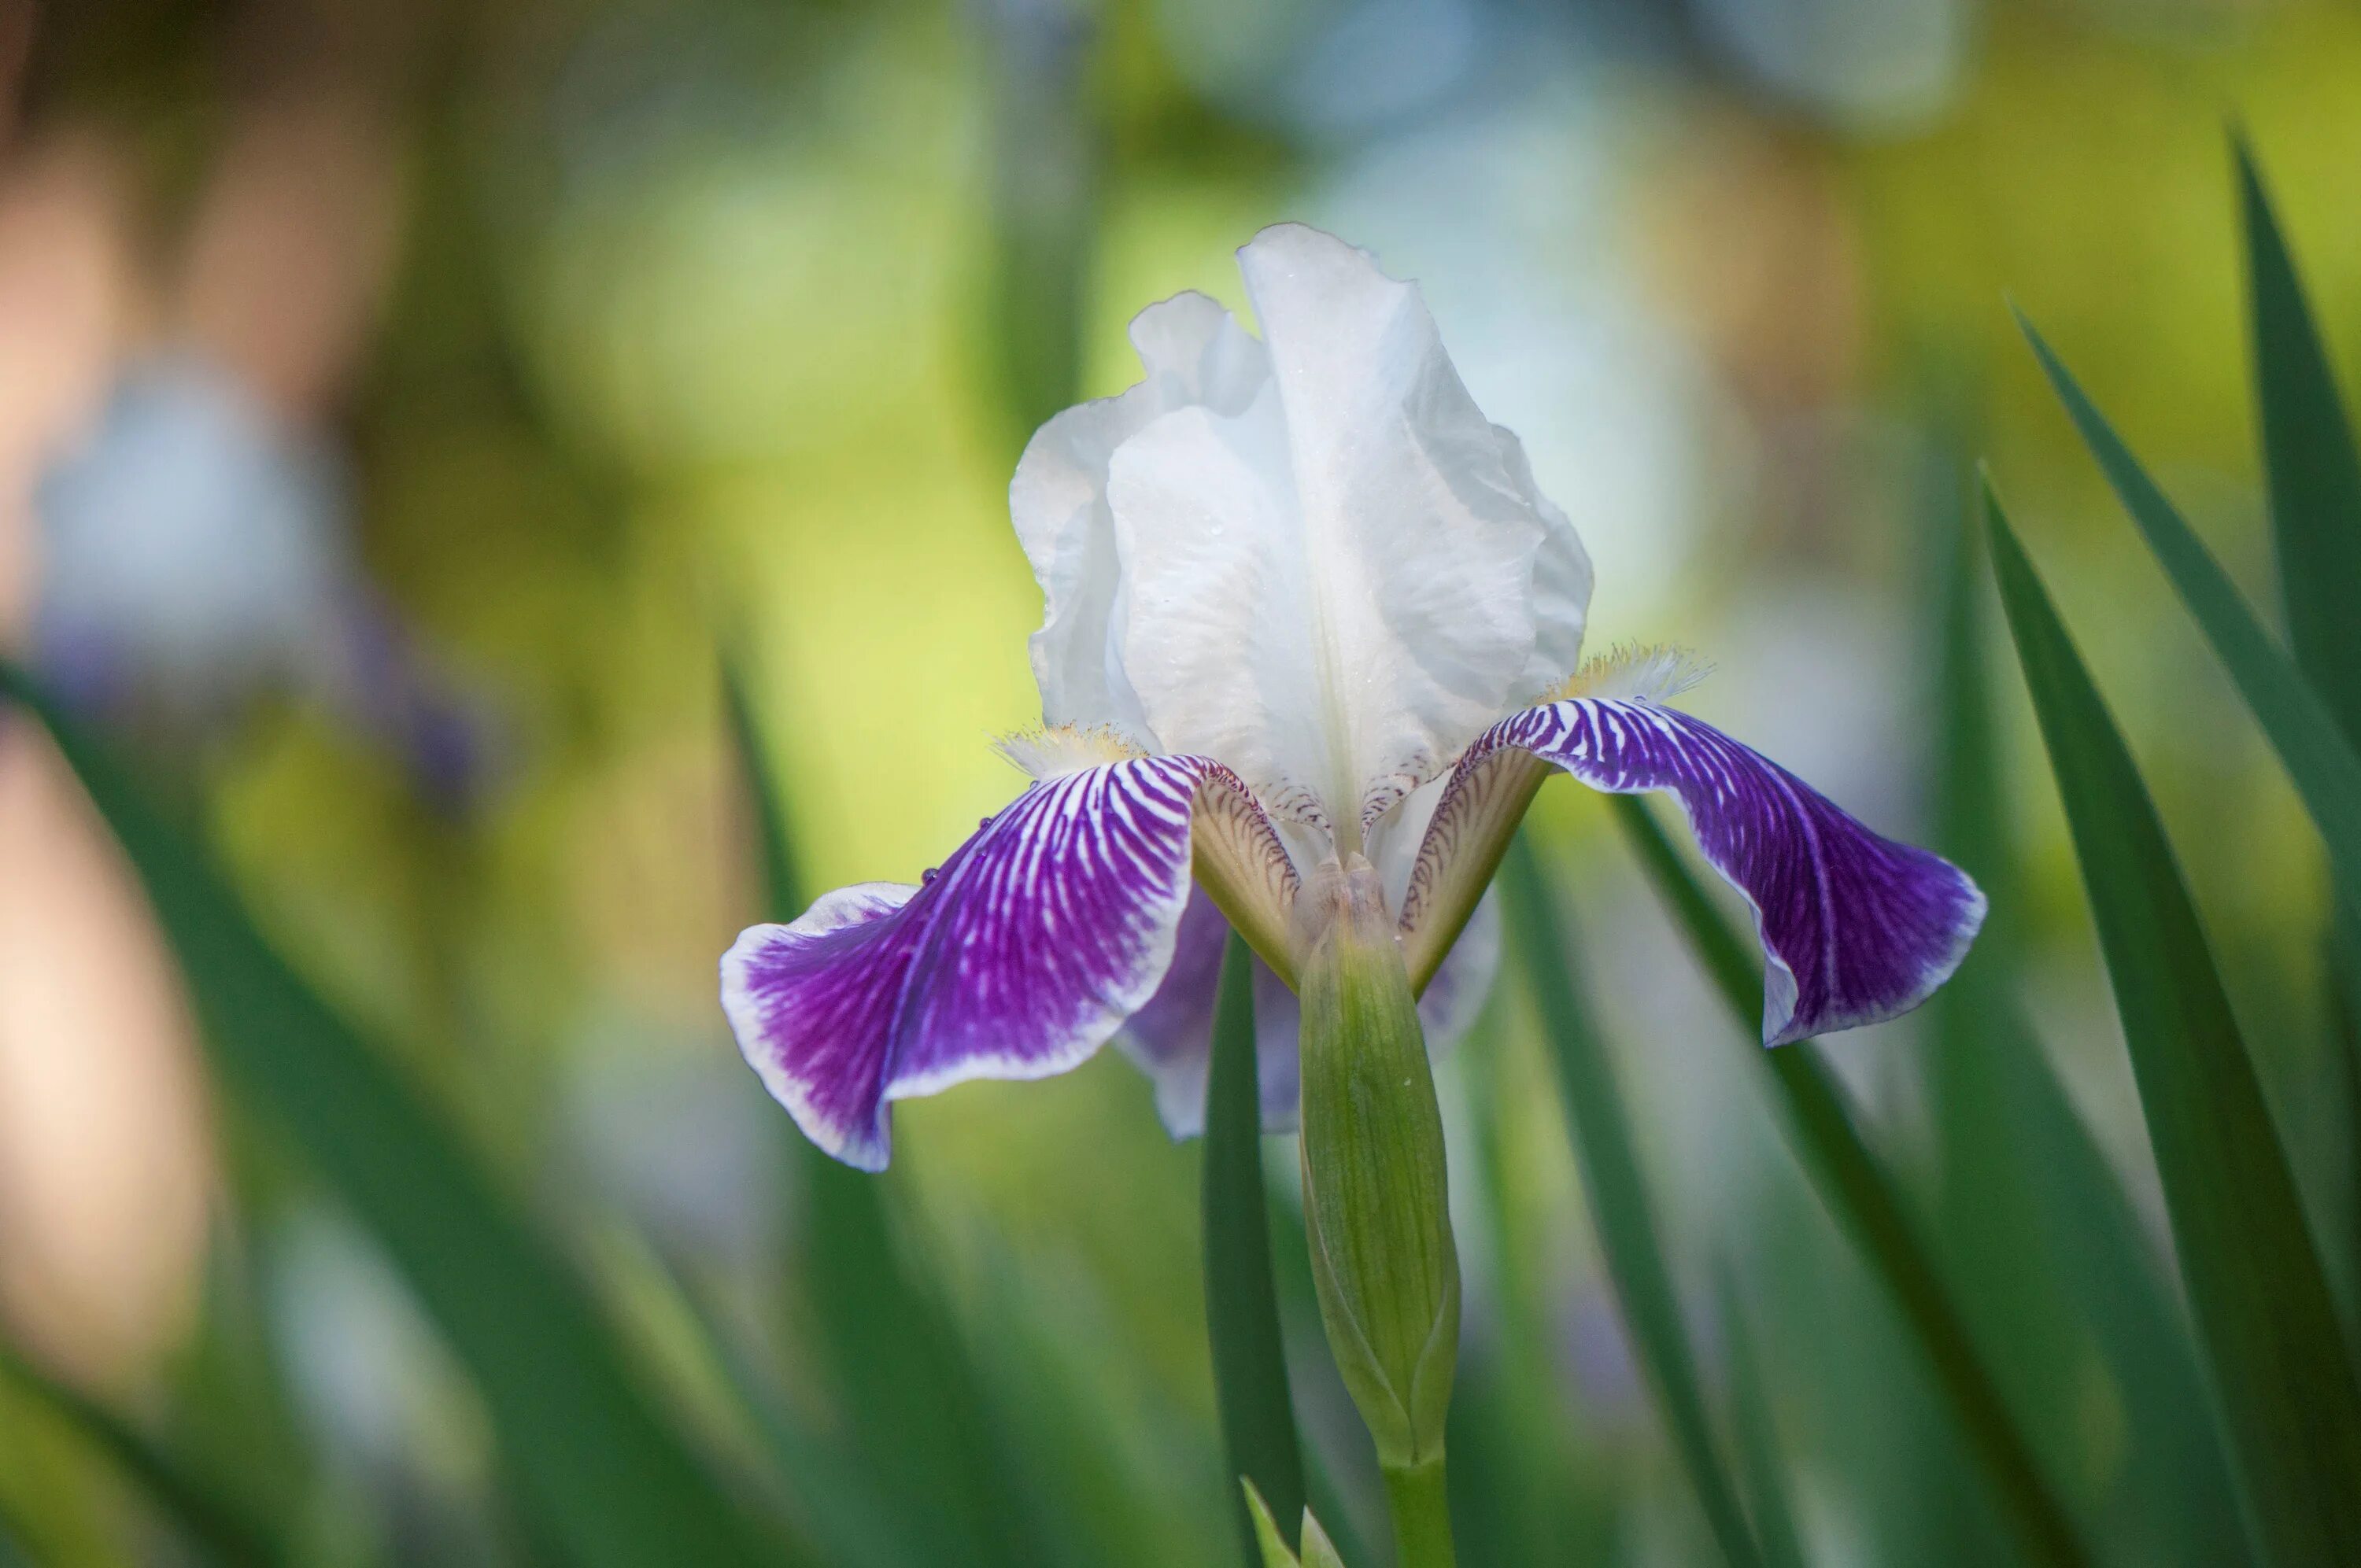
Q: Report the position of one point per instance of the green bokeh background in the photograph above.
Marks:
(721, 322)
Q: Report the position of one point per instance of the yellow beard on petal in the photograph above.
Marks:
(1053, 752)
(1655, 672)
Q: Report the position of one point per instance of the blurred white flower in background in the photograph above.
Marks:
(193, 546)
(1385, 58)
(1510, 216)
(1325, 68)
(1885, 66)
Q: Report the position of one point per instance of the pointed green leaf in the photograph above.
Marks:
(604, 1473)
(900, 1374)
(2314, 476)
(1864, 1196)
(1319, 1551)
(1620, 1205)
(1264, 1541)
(784, 895)
(1758, 1437)
(1250, 1383)
(2314, 470)
(1320, 1483)
(2040, 1234)
(2280, 1374)
(218, 1526)
(2320, 761)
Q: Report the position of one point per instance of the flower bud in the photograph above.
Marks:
(1373, 1192)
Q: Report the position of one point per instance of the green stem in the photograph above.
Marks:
(1421, 1510)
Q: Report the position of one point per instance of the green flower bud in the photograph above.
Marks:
(1373, 1189)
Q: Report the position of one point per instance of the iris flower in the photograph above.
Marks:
(1304, 605)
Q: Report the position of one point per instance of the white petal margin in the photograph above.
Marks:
(1339, 586)
(1017, 960)
(791, 1078)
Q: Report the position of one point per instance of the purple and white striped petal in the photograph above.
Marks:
(1855, 928)
(1017, 960)
(1171, 1038)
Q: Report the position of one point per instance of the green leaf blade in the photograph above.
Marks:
(2279, 1371)
(1758, 1437)
(601, 1468)
(1867, 1201)
(2035, 1225)
(220, 1527)
(1251, 1381)
(784, 895)
(1319, 1551)
(1264, 1542)
(2310, 461)
(1620, 1206)
(2320, 761)
(2313, 473)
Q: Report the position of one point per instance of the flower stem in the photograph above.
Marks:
(1421, 1510)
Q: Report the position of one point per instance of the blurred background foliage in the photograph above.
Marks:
(401, 408)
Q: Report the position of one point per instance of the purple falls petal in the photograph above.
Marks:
(1855, 928)
(1019, 959)
(1171, 1038)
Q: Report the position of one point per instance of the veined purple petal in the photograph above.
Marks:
(1171, 1038)
(1855, 928)
(1019, 959)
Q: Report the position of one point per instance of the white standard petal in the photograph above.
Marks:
(1336, 589)
(1193, 352)
(1561, 586)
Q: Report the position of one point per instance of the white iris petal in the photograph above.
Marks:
(1195, 355)
(1311, 557)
